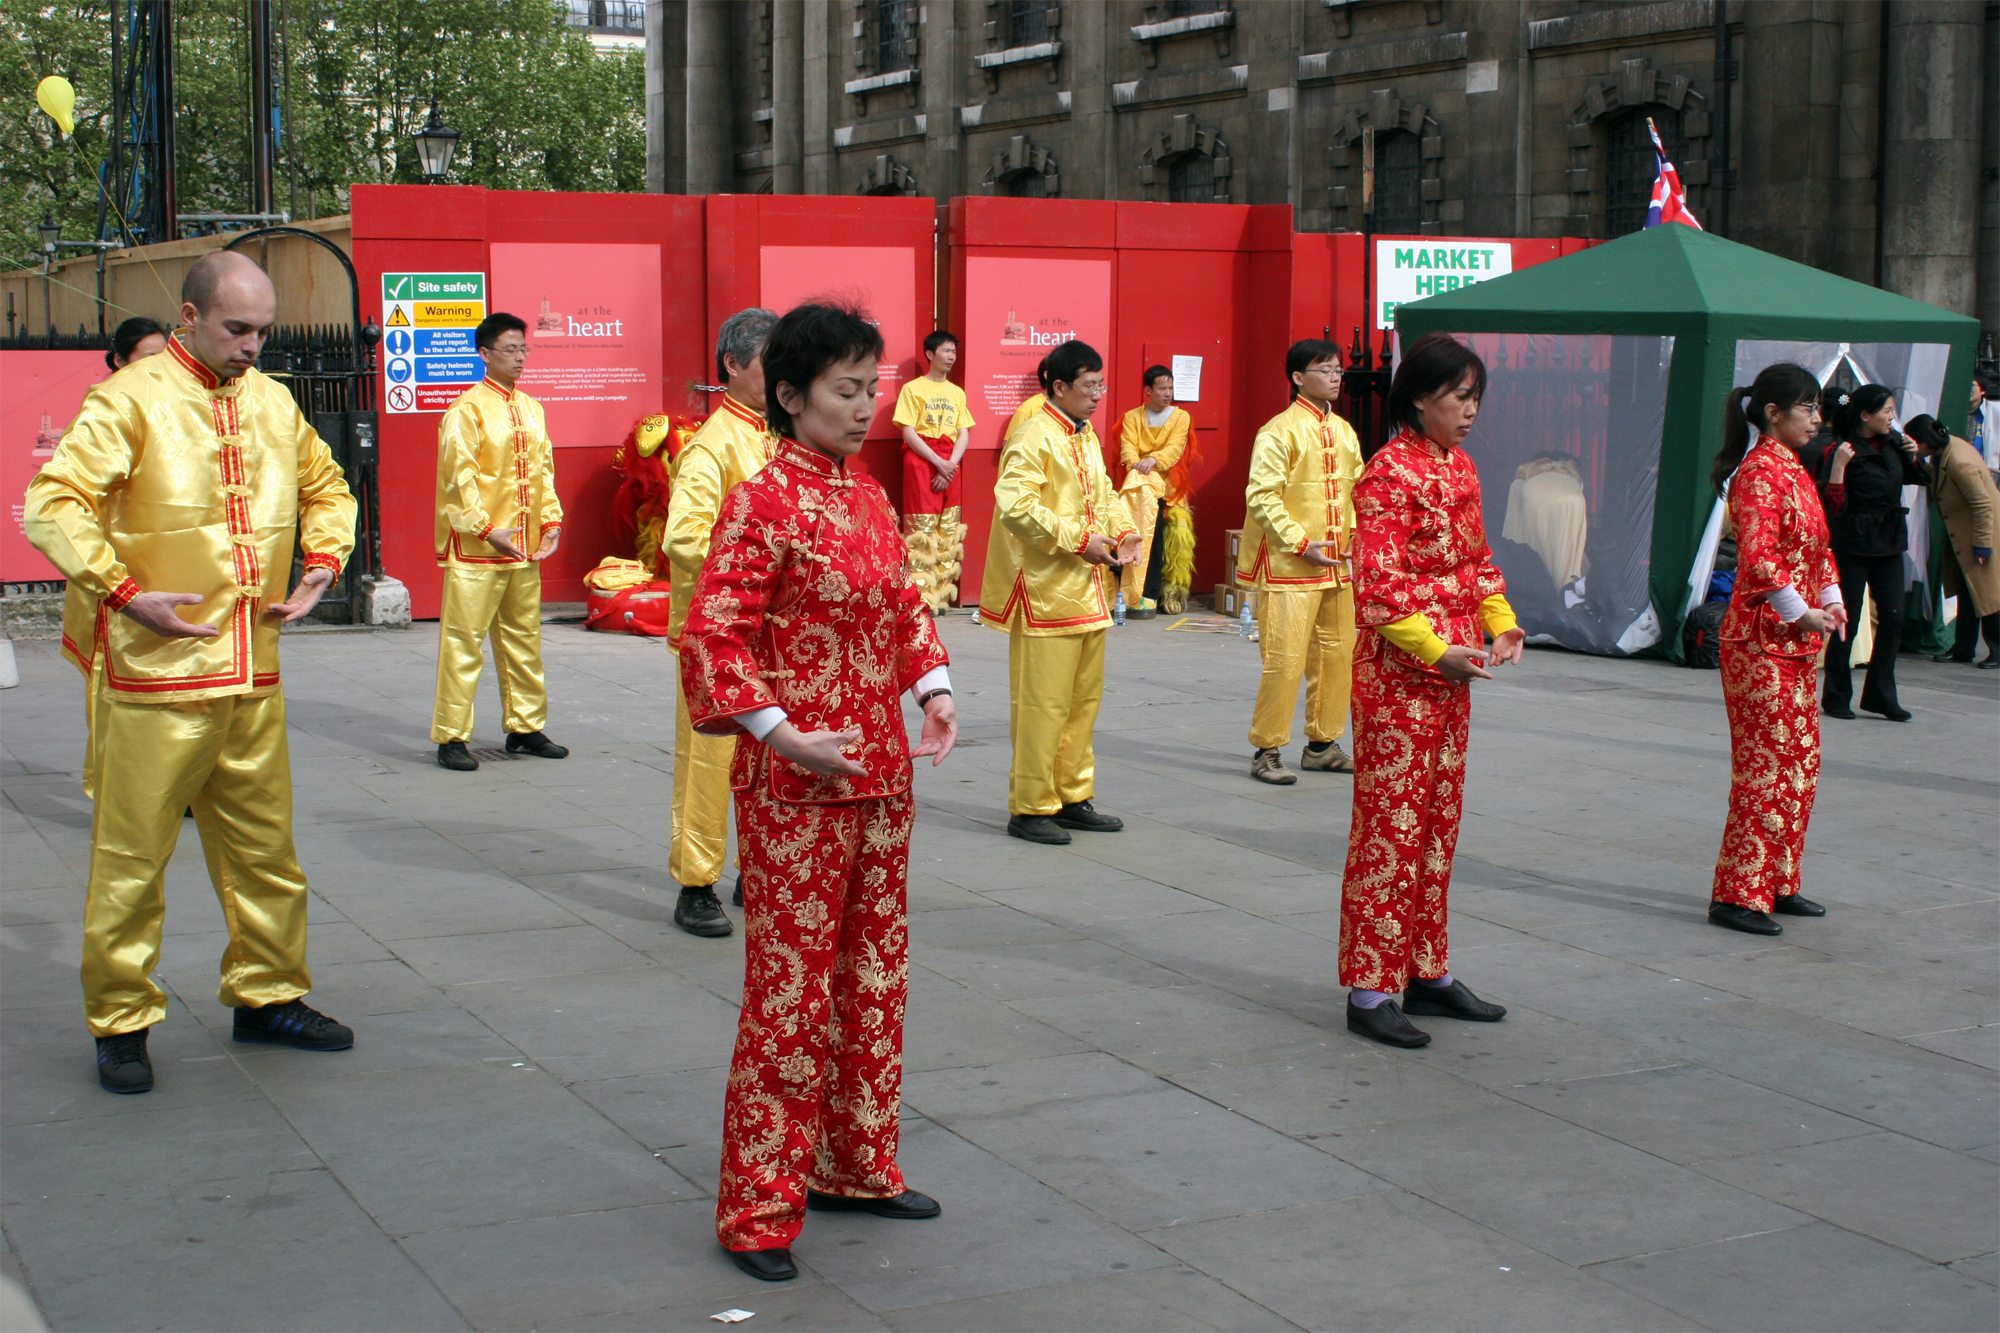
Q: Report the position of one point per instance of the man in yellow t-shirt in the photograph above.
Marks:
(936, 426)
(1152, 439)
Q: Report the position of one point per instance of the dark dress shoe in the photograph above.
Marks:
(1791, 904)
(1951, 657)
(536, 744)
(1037, 828)
(1893, 712)
(1083, 815)
(1990, 663)
(1453, 1001)
(765, 1265)
(698, 913)
(1385, 1023)
(909, 1206)
(1841, 711)
(454, 756)
(1743, 919)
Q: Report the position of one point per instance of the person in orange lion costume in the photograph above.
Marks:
(1425, 588)
(1786, 599)
(804, 630)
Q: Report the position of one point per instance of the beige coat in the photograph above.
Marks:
(1965, 496)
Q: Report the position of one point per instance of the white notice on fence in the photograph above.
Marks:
(1187, 379)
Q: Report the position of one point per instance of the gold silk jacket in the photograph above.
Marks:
(1052, 494)
(496, 470)
(1164, 444)
(172, 481)
(732, 446)
(1303, 467)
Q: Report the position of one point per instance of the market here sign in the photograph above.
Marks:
(1410, 270)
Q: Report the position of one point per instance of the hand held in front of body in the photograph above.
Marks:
(156, 611)
(817, 751)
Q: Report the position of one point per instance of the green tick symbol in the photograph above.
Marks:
(400, 289)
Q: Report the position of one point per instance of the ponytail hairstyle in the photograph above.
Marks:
(1926, 431)
(1783, 386)
(127, 338)
(1847, 409)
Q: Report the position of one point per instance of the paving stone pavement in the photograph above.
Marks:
(1128, 1075)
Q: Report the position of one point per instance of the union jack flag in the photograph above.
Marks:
(1670, 202)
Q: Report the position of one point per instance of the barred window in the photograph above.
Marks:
(1399, 183)
(895, 25)
(1629, 171)
(1177, 9)
(1026, 185)
(1028, 22)
(1191, 179)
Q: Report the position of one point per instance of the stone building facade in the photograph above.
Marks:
(1860, 136)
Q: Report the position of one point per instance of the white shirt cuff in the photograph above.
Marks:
(1786, 602)
(761, 722)
(937, 678)
(1830, 595)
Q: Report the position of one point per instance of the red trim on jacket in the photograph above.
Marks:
(122, 595)
(203, 376)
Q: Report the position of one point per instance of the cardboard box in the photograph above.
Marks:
(1233, 539)
(1231, 597)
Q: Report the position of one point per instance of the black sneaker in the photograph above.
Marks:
(293, 1023)
(122, 1063)
(454, 756)
(536, 744)
(1083, 815)
(698, 913)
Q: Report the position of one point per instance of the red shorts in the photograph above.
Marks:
(918, 497)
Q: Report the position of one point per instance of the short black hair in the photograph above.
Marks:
(939, 339)
(1068, 361)
(1988, 382)
(1308, 352)
(1435, 361)
(128, 337)
(494, 325)
(806, 341)
(1153, 373)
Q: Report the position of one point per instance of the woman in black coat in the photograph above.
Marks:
(1861, 480)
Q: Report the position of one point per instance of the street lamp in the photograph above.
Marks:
(435, 145)
(51, 233)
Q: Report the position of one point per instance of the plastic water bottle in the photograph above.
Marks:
(1245, 626)
(1118, 608)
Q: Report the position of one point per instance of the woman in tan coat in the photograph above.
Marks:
(1966, 497)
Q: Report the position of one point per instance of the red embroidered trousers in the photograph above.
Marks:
(1773, 773)
(1409, 787)
(816, 1085)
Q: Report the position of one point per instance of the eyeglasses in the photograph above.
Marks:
(508, 351)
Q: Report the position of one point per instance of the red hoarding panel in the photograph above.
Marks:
(593, 316)
(1018, 310)
(881, 279)
(40, 393)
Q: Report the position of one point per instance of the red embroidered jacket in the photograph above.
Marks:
(1420, 546)
(1781, 540)
(805, 602)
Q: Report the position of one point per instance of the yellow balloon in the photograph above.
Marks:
(55, 96)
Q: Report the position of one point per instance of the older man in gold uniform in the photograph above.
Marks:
(1300, 521)
(1057, 528)
(182, 486)
(731, 447)
(498, 518)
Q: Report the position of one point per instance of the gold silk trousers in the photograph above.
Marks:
(700, 841)
(506, 604)
(1144, 506)
(229, 760)
(1306, 633)
(1057, 685)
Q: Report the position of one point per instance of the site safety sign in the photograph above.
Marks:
(428, 354)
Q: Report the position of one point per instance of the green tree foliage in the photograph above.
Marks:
(537, 108)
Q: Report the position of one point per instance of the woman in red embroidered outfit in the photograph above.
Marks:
(1787, 597)
(804, 630)
(1425, 588)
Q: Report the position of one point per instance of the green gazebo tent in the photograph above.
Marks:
(1609, 370)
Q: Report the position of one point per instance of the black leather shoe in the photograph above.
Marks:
(1841, 711)
(454, 756)
(1453, 1001)
(1990, 662)
(122, 1062)
(1083, 815)
(765, 1265)
(1037, 828)
(536, 744)
(1385, 1023)
(293, 1023)
(698, 913)
(909, 1206)
(1792, 904)
(1894, 712)
(1743, 919)
(1952, 657)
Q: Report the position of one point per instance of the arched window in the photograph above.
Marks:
(1191, 179)
(1399, 183)
(1029, 184)
(1629, 169)
(889, 189)
(895, 25)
